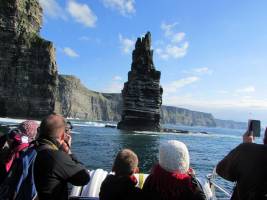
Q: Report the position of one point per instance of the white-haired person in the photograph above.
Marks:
(172, 178)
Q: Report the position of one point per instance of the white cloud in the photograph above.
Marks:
(177, 51)
(168, 28)
(82, 13)
(174, 37)
(52, 9)
(173, 51)
(127, 44)
(117, 78)
(70, 52)
(202, 70)
(125, 7)
(175, 85)
(249, 89)
(114, 87)
(176, 47)
(178, 37)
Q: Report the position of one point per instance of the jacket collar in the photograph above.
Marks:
(49, 141)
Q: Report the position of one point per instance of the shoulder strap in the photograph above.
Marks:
(48, 145)
(141, 180)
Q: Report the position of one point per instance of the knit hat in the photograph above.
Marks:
(174, 156)
(29, 129)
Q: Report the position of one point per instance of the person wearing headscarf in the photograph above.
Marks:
(17, 140)
(172, 178)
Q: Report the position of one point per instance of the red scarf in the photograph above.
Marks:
(18, 147)
(133, 179)
(170, 185)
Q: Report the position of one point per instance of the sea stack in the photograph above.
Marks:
(142, 93)
(28, 71)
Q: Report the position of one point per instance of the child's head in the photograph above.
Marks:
(126, 163)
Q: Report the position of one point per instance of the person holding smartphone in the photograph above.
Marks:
(246, 165)
(254, 129)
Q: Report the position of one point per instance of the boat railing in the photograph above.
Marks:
(215, 187)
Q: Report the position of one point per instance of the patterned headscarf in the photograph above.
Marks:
(29, 129)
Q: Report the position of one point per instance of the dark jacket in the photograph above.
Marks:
(3, 157)
(119, 188)
(53, 169)
(246, 165)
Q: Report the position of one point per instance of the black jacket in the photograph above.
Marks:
(246, 165)
(53, 169)
(119, 188)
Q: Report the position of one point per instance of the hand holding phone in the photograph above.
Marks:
(247, 138)
(254, 128)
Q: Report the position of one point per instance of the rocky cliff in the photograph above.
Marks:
(231, 124)
(174, 115)
(79, 102)
(28, 72)
(142, 93)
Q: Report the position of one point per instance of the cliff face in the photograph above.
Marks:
(79, 102)
(231, 124)
(174, 115)
(142, 93)
(28, 72)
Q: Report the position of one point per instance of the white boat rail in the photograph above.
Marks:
(215, 187)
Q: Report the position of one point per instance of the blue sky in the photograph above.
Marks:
(212, 54)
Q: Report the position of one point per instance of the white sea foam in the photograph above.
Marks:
(147, 133)
(13, 121)
(90, 124)
(75, 132)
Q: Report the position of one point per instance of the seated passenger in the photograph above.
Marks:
(16, 142)
(122, 185)
(55, 165)
(172, 179)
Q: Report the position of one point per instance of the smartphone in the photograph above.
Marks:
(254, 127)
